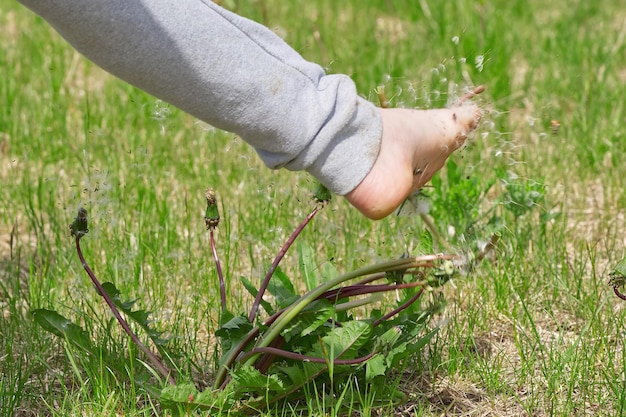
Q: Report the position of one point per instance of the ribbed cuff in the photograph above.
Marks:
(349, 157)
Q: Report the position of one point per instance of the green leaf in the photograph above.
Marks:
(249, 286)
(618, 275)
(60, 326)
(345, 341)
(281, 287)
(419, 344)
(212, 398)
(178, 398)
(458, 201)
(233, 329)
(309, 320)
(404, 338)
(285, 282)
(425, 243)
(299, 374)
(522, 196)
(238, 323)
(375, 367)
(140, 317)
(620, 269)
(390, 337)
(329, 271)
(323, 311)
(308, 266)
(249, 379)
(180, 394)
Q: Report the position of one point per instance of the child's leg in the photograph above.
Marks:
(239, 76)
(232, 73)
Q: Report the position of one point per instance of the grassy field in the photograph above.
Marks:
(537, 332)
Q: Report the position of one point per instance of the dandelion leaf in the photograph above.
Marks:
(308, 266)
(60, 326)
(249, 286)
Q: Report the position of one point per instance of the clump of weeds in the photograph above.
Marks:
(343, 335)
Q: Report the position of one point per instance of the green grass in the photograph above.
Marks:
(539, 332)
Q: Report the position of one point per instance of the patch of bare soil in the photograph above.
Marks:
(450, 396)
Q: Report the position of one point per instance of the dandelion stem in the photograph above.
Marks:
(399, 309)
(155, 361)
(476, 91)
(617, 292)
(211, 221)
(382, 97)
(279, 257)
(220, 275)
(304, 358)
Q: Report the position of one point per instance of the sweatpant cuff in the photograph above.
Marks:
(350, 157)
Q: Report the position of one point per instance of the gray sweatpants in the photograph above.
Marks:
(232, 73)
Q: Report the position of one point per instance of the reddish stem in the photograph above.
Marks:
(307, 358)
(155, 361)
(618, 292)
(353, 290)
(220, 275)
(399, 309)
(279, 257)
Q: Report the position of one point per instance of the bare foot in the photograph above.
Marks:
(414, 146)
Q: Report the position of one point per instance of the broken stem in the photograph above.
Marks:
(467, 96)
(617, 292)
